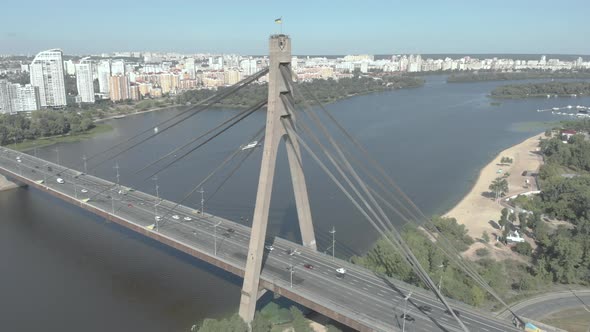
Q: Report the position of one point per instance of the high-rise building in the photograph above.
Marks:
(5, 103)
(47, 73)
(134, 92)
(231, 77)
(248, 66)
(84, 81)
(28, 97)
(189, 67)
(104, 74)
(69, 67)
(169, 83)
(118, 67)
(16, 98)
(119, 87)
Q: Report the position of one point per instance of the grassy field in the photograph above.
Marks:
(572, 320)
(41, 142)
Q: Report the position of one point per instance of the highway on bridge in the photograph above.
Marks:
(360, 299)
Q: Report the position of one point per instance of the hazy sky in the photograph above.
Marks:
(316, 26)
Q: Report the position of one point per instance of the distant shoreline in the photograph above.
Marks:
(47, 141)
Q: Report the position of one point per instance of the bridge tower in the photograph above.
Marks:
(278, 107)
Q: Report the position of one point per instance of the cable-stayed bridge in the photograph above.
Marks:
(360, 299)
(357, 298)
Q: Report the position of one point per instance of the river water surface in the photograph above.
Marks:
(67, 270)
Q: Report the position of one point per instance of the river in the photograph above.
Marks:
(68, 270)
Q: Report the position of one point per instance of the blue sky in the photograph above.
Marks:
(316, 26)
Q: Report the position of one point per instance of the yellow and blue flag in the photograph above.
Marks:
(279, 20)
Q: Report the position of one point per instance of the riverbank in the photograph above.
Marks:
(46, 141)
(476, 210)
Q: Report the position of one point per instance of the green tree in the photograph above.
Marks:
(485, 237)
(477, 295)
(232, 324)
(499, 187)
(300, 324)
(523, 248)
(522, 219)
(332, 328)
(260, 323)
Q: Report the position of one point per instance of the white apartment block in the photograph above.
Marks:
(84, 81)
(47, 73)
(16, 98)
(104, 75)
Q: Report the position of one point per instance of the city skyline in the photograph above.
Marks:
(385, 27)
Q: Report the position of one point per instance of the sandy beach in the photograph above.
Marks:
(476, 209)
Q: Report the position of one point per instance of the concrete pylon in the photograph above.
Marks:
(278, 85)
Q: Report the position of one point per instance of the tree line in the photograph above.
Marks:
(562, 254)
(270, 318)
(17, 127)
(510, 76)
(541, 89)
(325, 91)
(384, 259)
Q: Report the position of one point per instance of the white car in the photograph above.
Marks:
(175, 217)
(269, 247)
(341, 270)
(18, 159)
(187, 218)
(84, 191)
(158, 218)
(60, 181)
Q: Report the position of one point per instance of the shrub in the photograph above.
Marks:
(482, 252)
(523, 248)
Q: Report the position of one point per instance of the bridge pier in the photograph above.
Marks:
(6, 184)
(279, 85)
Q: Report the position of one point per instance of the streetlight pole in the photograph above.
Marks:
(157, 187)
(202, 202)
(440, 279)
(117, 168)
(291, 270)
(113, 202)
(85, 168)
(156, 214)
(215, 236)
(45, 177)
(405, 313)
(333, 232)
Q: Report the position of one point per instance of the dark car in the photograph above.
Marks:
(407, 317)
(308, 266)
(230, 230)
(425, 308)
(457, 313)
(49, 168)
(226, 234)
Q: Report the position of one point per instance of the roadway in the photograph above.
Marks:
(541, 306)
(360, 295)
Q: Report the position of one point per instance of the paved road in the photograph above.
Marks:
(539, 307)
(375, 301)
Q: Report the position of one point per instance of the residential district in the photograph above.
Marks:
(134, 76)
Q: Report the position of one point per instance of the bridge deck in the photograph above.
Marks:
(360, 300)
